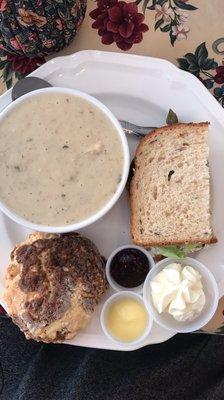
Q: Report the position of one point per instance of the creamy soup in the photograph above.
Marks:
(61, 159)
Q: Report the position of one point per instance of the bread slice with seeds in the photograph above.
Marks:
(170, 189)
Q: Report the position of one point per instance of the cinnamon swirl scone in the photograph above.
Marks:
(53, 284)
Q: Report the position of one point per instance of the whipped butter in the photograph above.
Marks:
(178, 291)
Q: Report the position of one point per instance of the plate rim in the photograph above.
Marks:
(138, 61)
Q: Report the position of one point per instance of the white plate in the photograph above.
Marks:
(141, 90)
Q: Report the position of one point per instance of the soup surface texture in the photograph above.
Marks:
(61, 159)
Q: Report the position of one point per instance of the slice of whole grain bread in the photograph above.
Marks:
(170, 191)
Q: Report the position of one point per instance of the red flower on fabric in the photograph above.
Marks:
(2, 311)
(59, 25)
(23, 64)
(219, 77)
(32, 36)
(119, 22)
(48, 43)
(15, 44)
(3, 5)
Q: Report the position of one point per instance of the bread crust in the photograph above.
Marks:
(168, 129)
(211, 240)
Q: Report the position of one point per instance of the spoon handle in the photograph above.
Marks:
(132, 129)
(30, 83)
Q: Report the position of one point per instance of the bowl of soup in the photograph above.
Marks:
(64, 160)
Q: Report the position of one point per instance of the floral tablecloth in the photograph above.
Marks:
(189, 33)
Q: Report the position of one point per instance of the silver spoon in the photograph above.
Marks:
(32, 83)
(136, 130)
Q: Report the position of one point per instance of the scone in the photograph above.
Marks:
(53, 284)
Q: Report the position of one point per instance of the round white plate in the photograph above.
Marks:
(141, 90)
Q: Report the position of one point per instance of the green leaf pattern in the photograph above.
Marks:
(210, 73)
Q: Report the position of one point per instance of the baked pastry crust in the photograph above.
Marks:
(53, 284)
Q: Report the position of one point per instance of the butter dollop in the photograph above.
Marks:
(178, 290)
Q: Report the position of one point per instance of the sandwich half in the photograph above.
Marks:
(170, 189)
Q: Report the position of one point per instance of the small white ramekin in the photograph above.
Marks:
(103, 318)
(112, 282)
(211, 295)
(93, 218)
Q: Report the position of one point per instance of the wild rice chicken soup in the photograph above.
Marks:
(61, 159)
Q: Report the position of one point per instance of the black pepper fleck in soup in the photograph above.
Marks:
(62, 164)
